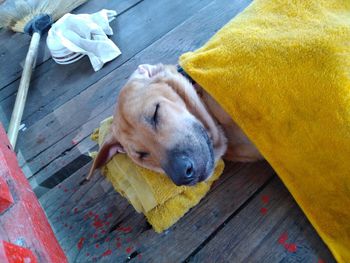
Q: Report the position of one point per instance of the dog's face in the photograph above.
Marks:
(162, 125)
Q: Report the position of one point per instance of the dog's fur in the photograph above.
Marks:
(162, 119)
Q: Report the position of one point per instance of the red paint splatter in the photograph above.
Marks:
(66, 190)
(107, 239)
(107, 253)
(94, 235)
(118, 238)
(291, 247)
(107, 223)
(74, 142)
(97, 245)
(109, 215)
(128, 250)
(86, 217)
(103, 231)
(263, 210)
(283, 238)
(98, 223)
(321, 261)
(87, 254)
(119, 245)
(81, 242)
(125, 229)
(75, 210)
(91, 213)
(265, 199)
(139, 256)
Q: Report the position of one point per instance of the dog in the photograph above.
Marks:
(168, 124)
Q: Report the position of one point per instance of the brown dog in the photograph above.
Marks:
(166, 124)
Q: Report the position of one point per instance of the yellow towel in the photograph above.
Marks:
(281, 70)
(162, 202)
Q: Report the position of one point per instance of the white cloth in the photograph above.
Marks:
(83, 34)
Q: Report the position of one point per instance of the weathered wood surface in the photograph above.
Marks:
(44, 142)
(72, 209)
(14, 46)
(228, 225)
(270, 228)
(135, 29)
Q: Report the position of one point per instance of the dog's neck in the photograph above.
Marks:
(218, 116)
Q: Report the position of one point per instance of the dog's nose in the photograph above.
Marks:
(186, 167)
(181, 170)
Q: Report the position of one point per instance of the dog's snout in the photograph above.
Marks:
(181, 170)
(191, 160)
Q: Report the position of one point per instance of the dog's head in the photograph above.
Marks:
(161, 123)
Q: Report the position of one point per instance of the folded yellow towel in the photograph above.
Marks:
(281, 70)
(154, 194)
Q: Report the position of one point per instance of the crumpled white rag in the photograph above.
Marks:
(74, 36)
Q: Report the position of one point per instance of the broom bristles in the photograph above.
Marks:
(16, 14)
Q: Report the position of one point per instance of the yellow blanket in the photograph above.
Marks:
(162, 202)
(281, 70)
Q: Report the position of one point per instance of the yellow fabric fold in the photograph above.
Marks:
(153, 194)
(281, 70)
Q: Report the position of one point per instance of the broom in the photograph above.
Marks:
(33, 17)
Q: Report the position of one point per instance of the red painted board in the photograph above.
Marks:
(5, 196)
(24, 223)
(11, 253)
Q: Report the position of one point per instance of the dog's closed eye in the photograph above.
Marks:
(155, 118)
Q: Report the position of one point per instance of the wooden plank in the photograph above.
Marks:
(52, 137)
(14, 46)
(278, 233)
(54, 84)
(73, 209)
(57, 167)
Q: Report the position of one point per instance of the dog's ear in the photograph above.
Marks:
(109, 148)
(149, 70)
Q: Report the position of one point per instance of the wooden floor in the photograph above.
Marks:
(248, 216)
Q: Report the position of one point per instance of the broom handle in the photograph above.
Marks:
(23, 89)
